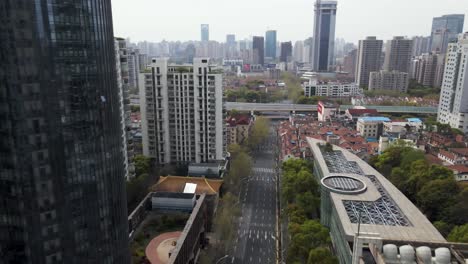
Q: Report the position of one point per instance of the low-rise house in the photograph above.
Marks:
(455, 156)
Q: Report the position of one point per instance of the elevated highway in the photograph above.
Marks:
(279, 107)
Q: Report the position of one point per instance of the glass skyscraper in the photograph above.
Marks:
(270, 44)
(62, 189)
(205, 32)
(445, 29)
(324, 35)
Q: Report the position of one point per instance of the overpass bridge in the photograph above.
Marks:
(279, 107)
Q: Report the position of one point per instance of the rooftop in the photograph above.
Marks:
(178, 183)
(374, 119)
(383, 208)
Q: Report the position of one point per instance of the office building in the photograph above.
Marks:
(182, 112)
(122, 59)
(61, 158)
(398, 54)
(324, 36)
(286, 51)
(205, 32)
(428, 69)
(445, 29)
(298, 51)
(258, 50)
(230, 47)
(420, 45)
(453, 104)
(389, 80)
(368, 59)
(370, 220)
(270, 44)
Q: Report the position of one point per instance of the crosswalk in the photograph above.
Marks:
(269, 170)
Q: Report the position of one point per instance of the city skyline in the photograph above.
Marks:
(292, 22)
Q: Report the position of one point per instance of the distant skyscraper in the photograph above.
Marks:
(231, 39)
(205, 32)
(258, 50)
(231, 49)
(445, 29)
(286, 51)
(428, 69)
(182, 112)
(61, 155)
(420, 45)
(398, 54)
(368, 59)
(298, 51)
(324, 35)
(270, 44)
(453, 104)
(349, 62)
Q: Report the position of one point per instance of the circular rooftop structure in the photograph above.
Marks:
(343, 184)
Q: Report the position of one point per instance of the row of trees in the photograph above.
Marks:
(137, 188)
(431, 187)
(244, 94)
(309, 240)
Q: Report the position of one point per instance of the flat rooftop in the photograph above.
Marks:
(374, 119)
(382, 207)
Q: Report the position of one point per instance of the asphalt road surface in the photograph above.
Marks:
(256, 233)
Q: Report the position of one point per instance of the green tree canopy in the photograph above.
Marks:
(321, 255)
(459, 234)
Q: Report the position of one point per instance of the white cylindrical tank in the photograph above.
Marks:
(407, 254)
(442, 255)
(390, 252)
(424, 254)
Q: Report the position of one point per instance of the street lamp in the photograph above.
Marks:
(221, 259)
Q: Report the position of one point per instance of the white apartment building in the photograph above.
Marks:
(315, 87)
(182, 111)
(121, 59)
(453, 104)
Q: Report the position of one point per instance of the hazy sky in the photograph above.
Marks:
(155, 20)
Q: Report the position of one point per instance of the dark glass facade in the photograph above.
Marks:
(270, 44)
(258, 50)
(324, 35)
(62, 189)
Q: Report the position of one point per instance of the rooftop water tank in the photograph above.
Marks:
(407, 254)
(424, 254)
(442, 255)
(390, 252)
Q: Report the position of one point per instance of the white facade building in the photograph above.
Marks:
(182, 112)
(121, 59)
(331, 89)
(453, 104)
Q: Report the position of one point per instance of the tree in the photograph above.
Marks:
(311, 234)
(459, 234)
(259, 132)
(142, 164)
(458, 211)
(443, 227)
(321, 255)
(436, 196)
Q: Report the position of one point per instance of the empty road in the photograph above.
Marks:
(256, 234)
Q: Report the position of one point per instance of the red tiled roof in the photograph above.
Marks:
(459, 168)
(447, 154)
(460, 151)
